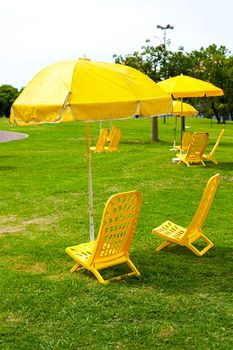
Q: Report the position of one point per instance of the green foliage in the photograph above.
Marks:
(8, 94)
(213, 64)
(180, 301)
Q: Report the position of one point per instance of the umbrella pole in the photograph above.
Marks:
(174, 142)
(181, 125)
(88, 156)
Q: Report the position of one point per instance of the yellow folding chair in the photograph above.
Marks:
(210, 156)
(114, 141)
(195, 149)
(187, 135)
(109, 139)
(114, 238)
(172, 233)
(102, 139)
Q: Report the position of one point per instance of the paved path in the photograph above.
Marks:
(6, 136)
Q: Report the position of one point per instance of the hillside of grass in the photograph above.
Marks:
(180, 301)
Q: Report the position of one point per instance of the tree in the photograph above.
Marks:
(8, 94)
(213, 64)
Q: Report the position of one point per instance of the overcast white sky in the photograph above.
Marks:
(37, 33)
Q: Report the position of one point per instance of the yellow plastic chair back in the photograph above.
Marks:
(114, 141)
(187, 135)
(114, 238)
(102, 139)
(109, 139)
(195, 149)
(173, 233)
(210, 156)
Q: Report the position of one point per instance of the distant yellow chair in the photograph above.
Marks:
(102, 139)
(173, 233)
(111, 134)
(114, 238)
(195, 149)
(210, 156)
(187, 135)
(114, 141)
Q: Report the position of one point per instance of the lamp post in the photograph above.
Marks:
(168, 26)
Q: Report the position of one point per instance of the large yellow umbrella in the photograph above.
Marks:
(183, 86)
(87, 91)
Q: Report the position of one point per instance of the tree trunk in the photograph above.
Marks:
(215, 112)
(155, 130)
(183, 124)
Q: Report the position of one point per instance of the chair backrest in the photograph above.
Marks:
(197, 146)
(186, 139)
(115, 139)
(204, 206)
(217, 142)
(101, 140)
(111, 134)
(117, 226)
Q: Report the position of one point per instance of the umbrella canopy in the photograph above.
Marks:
(88, 91)
(185, 86)
(180, 108)
(84, 90)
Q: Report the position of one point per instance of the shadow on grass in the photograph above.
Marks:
(178, 270)
(220, 166)
(6, 168)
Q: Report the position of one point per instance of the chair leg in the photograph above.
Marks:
(163, 245)
(76, 267)
(98, 276)
(213, 160)
(204, 250)
(133, 268)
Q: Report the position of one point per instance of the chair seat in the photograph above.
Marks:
(81, 252)
(171, 230)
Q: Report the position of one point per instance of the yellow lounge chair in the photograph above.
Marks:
(114, 141)
(172, 233)
(185, 141)
(210, 156)
(102, 139)
(114, 238)
(195, 149)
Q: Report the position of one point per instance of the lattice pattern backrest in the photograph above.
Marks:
(186, 139)
(118, 224)
(102, 140)
(197, 145)
(205, 203)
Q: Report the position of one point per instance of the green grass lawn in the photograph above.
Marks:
(180, 301)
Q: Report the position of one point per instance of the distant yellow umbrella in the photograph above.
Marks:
(84, 90)
(183, 109)
(183, 86)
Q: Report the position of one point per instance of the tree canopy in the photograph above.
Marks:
(8, 94)
(212, 64)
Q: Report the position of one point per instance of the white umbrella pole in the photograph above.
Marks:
(88, 155)
(181, 131)
(174, 143)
